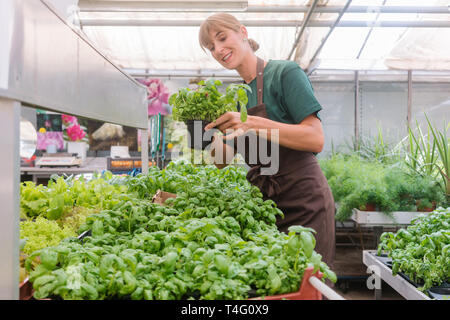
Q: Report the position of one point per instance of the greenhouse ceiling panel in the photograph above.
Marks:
(367, 34)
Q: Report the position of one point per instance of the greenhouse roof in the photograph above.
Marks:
(151, 36)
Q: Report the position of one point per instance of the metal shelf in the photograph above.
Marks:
(48, 64)
(399, 284)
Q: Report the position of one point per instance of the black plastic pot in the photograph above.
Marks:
(196, 138)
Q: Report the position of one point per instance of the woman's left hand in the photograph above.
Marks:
(230, 123)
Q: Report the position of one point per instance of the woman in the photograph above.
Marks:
(281, 99)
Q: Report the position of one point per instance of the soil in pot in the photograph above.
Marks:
(368, 207)
(426, 209)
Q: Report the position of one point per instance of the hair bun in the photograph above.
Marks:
(253, 44)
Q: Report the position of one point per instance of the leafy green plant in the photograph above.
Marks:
(216, 240)
(421, 155)
(42, 233)
(422, 250)
(61, 195)
(429, 154)
(356, 182)
(443, 146)
(374, 148)
(207, 103)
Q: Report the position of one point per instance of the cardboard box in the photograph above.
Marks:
(161, 196)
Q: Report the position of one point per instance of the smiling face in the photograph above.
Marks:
(229, 47)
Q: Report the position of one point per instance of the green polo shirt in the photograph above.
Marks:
(288, 94)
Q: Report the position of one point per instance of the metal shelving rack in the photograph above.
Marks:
(48, 64)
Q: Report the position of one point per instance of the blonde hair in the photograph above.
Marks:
(220, 21)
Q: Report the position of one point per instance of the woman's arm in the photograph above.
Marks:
(305, 136)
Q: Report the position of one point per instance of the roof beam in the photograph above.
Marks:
(303, 28)
(368, 36)
(162, 5)
(352, 9)
(264, 23)
(336, 22)
(145, 6)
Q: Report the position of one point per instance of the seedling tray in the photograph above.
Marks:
(306, 291)
(441, 292)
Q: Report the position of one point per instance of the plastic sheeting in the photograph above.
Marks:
(359, 48)
(421, 49)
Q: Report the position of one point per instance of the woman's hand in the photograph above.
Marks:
(230, 123)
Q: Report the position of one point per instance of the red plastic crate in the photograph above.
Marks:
(306, 291)
(25, 290)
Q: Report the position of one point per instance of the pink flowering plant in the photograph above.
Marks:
(157, 96)
(73, 131)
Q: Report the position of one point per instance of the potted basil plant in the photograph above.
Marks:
(205, 104)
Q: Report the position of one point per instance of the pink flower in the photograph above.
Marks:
(75, 132)
(67, 120)
(157, 95)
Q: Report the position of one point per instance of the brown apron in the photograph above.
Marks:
(299, 188)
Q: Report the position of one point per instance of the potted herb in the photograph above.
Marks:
(205, 104)
(75, 136)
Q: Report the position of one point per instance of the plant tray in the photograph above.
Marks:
(25, 290)
(441, 292)
(306, 291)
(381, 218)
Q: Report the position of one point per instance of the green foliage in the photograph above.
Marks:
(54, 212)
(422, 250)
(216, 240)
(376, 148)
(42, 233)
(429, 154)
(443, 147)
(207, 103)
(63, 194)
(356, 182)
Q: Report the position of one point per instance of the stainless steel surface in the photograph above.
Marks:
(89, 22)
(9, 199)
(49, 65)
(403, 287)
(303, 28)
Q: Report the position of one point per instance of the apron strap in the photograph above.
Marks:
(259, 79)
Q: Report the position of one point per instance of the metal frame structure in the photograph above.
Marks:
(303, 28)
(382, 273)
(324, 40)
(307, 21)
(36, 71)
(147, 6)
(89, 22)
(165, 6)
